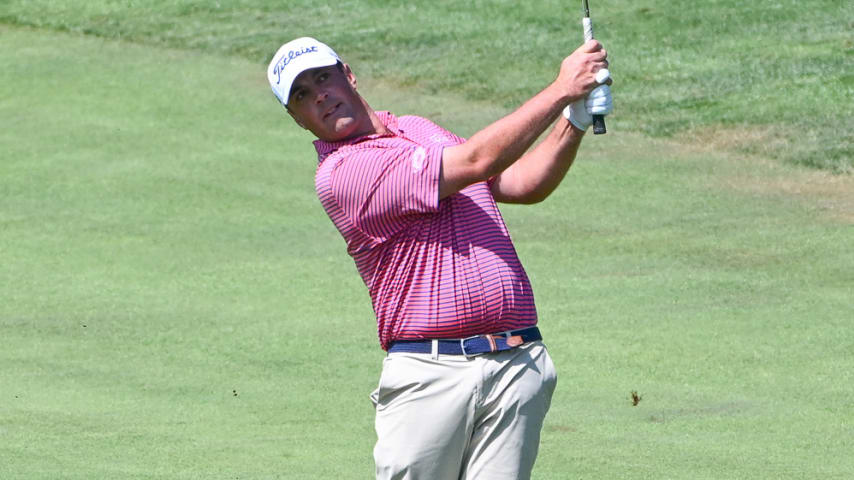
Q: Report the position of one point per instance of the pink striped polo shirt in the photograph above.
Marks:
(434, 269)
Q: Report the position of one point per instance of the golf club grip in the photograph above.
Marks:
(598, 120)
(599, 125)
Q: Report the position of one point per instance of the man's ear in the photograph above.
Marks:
(295, 118)
(351, 77)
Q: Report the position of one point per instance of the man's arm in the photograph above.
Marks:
(493, 149)
(535, 176)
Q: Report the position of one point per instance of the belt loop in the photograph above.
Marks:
(434, 349)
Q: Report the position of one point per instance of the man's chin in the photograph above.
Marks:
(339, 129)
(345, 127)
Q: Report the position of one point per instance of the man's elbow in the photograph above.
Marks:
(526, 198)
(534, 197)
(481, 167)
(465, 166)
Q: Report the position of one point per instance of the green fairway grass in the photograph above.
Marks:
(770, 77)
(155, 263)
(175, 304)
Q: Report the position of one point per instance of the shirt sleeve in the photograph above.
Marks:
(381, 190)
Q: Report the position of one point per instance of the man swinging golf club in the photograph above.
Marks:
(467, 381)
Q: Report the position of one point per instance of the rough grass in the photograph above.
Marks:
(780, 67)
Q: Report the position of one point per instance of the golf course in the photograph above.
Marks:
(176, 304)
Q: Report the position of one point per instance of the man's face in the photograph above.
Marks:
(324, 101)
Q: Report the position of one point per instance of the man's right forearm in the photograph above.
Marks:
(491, 150)
(500, 144)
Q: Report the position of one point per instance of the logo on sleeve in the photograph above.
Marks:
(439, 138)
(418, 159)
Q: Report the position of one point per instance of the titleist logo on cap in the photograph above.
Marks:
(286, 59)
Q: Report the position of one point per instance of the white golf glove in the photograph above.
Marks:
(598, 102)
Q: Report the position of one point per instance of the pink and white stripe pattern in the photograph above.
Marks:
(434, 269)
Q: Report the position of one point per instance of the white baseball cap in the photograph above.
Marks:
(294, 58)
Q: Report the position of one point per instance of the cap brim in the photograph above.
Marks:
(299, 68)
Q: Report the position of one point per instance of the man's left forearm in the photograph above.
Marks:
(537, 173)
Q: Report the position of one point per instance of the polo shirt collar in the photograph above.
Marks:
(324, 149)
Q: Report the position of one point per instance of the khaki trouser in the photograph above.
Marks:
(451, 418)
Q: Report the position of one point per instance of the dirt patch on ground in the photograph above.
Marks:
(758, 140)
(831, 194)
(748, 170)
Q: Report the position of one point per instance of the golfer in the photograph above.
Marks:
(467, 381)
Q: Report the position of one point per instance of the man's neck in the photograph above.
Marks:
(377, 127)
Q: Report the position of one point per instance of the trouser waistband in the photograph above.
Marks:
(470, 346)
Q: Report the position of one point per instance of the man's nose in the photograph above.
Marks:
(321, 96)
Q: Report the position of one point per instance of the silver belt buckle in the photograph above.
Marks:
(463, 345)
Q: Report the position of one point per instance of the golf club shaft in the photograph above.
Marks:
(598, 120)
